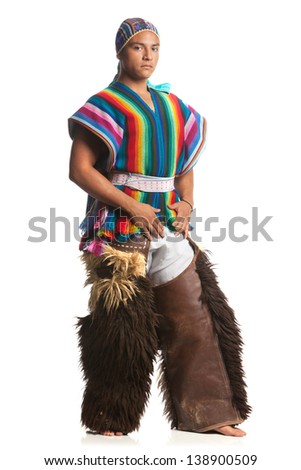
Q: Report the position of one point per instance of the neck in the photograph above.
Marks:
(139, 86)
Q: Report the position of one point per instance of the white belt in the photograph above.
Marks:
(150, 184)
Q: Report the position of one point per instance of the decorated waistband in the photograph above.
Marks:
(142, 182)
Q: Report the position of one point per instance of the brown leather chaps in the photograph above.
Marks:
(187, 319)
(201, 372)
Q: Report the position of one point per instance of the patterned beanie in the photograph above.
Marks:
(130, 28)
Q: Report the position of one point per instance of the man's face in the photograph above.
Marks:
(140, 56)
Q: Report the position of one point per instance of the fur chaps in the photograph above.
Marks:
(118, 341)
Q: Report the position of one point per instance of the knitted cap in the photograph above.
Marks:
(130, 28)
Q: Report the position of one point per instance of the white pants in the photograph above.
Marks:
(168, 257)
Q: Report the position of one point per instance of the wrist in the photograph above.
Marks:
(131, 206)
(187, 202)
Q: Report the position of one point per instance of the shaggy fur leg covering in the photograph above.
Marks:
(169, 406)
(227, 330)
(118, 342)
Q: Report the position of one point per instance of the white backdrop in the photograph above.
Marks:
(238, 64)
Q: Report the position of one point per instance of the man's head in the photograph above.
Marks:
(137, 48)
(129, 28)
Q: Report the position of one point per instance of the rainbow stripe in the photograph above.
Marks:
(165, 142)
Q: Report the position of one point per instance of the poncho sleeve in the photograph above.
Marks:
(194, 139)
(100, 117)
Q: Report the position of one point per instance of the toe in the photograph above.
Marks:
(107, 433)
(231, 431)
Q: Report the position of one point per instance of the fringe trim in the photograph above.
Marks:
(112, 276)
(227, 329)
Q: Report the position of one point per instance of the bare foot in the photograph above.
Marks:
(111, 433)
(231, 431)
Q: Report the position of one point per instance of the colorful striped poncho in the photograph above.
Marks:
(165, 142)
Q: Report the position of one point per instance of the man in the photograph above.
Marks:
(134, 148)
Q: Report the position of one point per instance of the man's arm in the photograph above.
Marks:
(184, 188)
(85, 151)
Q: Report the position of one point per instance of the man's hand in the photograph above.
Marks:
(144, 216)
(183, 211)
